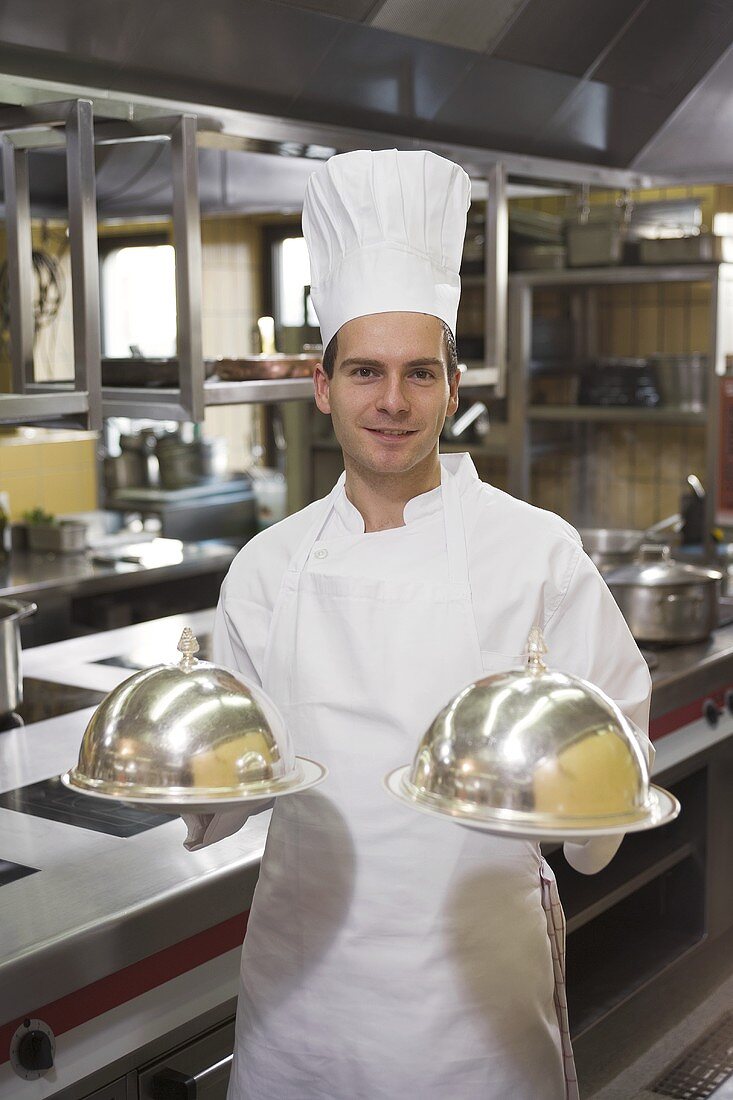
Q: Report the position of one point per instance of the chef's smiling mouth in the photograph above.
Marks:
(393, 431)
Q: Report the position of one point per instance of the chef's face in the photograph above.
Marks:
(389, 394)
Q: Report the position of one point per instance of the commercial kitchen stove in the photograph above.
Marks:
(51, 800)
(45, 699)
(9, 872)
(123, 945)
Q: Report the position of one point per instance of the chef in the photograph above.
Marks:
(388, 954)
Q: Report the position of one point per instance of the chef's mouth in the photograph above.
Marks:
(396, 432)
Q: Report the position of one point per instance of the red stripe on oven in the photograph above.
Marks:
(92, 1000)
(682, 716)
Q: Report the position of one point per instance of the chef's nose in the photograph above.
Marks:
(392, 397)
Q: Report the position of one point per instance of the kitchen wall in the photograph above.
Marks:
(53, 470)
(232, 275)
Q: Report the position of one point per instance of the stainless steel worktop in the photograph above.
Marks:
(101, 902)
(689, 672)
(30, 573)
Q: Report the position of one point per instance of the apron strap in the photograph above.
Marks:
(455, 530)
(301, 555)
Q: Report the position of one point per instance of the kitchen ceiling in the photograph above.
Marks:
(614, 83)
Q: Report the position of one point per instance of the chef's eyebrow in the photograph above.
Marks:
(359, 362)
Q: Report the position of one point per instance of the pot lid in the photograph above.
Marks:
(656, 568)
(533, 753)
(188, 734)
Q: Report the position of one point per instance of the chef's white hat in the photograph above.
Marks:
(385, 233)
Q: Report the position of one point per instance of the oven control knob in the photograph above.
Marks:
(711, 712)
(32, 1049)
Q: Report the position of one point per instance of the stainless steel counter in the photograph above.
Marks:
(698, 668)
(33, 573)
(89, 881)
(100, 903)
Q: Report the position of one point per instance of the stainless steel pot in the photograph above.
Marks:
(665, 601)
(183, 464)
(609, 547)
(11, 677)
(125, 470)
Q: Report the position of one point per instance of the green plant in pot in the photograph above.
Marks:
(49, 534)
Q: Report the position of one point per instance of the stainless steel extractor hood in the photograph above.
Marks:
(603, 83)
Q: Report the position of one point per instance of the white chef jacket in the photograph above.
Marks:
(526, 566)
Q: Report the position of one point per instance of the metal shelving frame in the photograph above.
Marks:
(73, 124)
(522, 415)
(87, 402)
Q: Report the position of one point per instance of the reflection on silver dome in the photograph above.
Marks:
(532, 749)
(184, 731)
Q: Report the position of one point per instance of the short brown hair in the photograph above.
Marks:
(449, 347)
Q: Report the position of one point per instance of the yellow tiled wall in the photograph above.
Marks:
(232, 267)
(52, 470)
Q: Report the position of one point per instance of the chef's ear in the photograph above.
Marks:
(321, 385)
(453, 398)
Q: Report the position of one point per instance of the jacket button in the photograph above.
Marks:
(320, 554)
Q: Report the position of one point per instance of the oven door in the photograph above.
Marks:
(197, 1071)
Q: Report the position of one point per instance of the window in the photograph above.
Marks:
(139, 301)
(293, 278)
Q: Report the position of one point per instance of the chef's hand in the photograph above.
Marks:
(205, 829)
(593, 855)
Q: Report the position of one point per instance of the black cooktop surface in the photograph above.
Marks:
(9, 872)
(142, 658)
(55, 802)
(44, 699)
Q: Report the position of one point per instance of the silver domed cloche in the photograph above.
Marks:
(537, 754)
(191, 735)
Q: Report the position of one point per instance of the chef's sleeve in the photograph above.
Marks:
(587, 636)
(230, 651)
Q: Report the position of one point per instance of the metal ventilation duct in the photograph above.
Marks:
(598, 83)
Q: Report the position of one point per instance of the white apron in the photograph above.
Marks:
(387, 954)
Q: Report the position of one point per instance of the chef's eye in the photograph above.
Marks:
(422, 374)
(363, 372)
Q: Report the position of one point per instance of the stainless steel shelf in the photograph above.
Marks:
(259, 391)
(497, 449)
(32, 407)
(612, 414)
(478, 378)
(598, 276)
(629, 886)
(165, 404)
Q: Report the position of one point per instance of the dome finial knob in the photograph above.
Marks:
(189, 647)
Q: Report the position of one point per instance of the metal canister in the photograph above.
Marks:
(11, 677)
